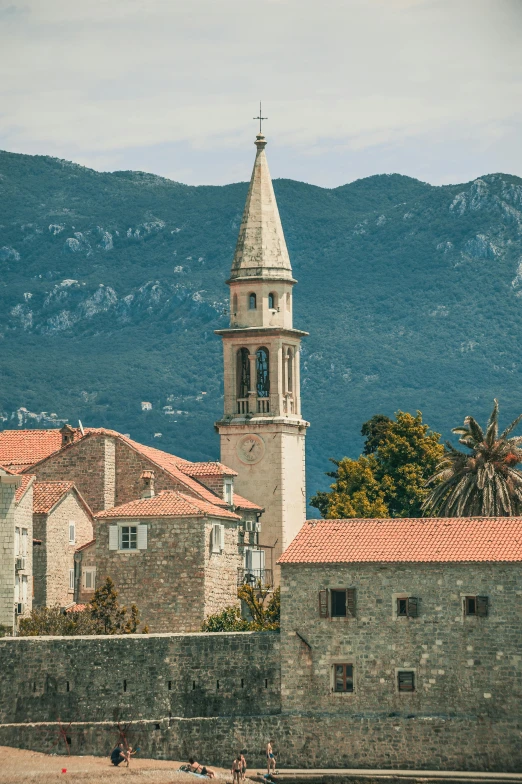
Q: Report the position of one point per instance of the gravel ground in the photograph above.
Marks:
(17, 765)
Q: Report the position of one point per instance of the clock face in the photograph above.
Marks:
(250, 449)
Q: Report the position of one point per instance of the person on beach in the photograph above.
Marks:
(243, 767)
(236, 770)
(270, 758)
(195, 767)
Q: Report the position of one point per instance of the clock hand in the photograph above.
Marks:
(253, 445)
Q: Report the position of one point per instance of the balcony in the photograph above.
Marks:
(242, 405)
(262, 405)
(255, 577)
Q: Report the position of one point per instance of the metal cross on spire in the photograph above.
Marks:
(260, 118)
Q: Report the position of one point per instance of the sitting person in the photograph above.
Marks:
(118, 755)
(195, 767)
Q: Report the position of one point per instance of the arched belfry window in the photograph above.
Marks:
(234, 304)
(272, 301)
(263, 372)
(243, 373)
(252, 302)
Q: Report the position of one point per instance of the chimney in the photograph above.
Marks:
(68, 434)
(147, 484)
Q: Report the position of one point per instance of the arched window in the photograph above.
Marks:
(290, 360)
(243, 373)
(252, 303)
(263, 372)
(272, 301)
(234, 304)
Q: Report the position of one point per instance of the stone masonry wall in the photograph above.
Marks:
(40, 560)
(86, 559)
(59, 552)
(464, 666)
(138, 677)
(24, 519)
(8, 487)
(83, 463)
(168, 580)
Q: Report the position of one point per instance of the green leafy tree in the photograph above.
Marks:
(356, 491)
(483, 481)
(389, 480)
(229, 620)
(53, 621)
(264, 607)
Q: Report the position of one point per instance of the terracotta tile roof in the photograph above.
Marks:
(76, 608)
(207, 469)
(85, 546)
(47, 494)
(244, 503)
(436, 539)
(22, 448)
(20, 491)
(168, 503)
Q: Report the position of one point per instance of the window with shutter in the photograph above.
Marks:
(222, 537)
(216, 538)
(350, 601)
(129, 537)
(71, 579)
(323, 603)
(72, 533)
(24, 589)
(89, 578)
(482, 606)
(338, 603)
(406, 680)
(343, 677)
(113, 537)
(142, 537)
(25, 539)
(413, 607)
(17, 541)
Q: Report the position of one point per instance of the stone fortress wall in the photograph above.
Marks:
(209, 695)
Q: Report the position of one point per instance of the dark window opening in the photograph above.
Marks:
(252, 302)
(234, 304)
(66, 685)
(408, 607)
(343, 677)
(338, 600)
(242, 683)
(68, 740)
(476, 605)
(272, 301)
(243, 373)
(170, 686)
(124, 685)
(34, 686)
(157, 727)
(406, 680)
(217, 684)
(266, 683)
(263, 372)
(193, 685)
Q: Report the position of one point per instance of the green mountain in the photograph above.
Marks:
(111, 286)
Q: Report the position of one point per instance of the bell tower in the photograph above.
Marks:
(262, 431)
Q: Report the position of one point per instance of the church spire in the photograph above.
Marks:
(261, 248)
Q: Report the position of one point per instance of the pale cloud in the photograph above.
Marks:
(170, 83)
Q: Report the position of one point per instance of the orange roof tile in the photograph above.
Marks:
(435, 539)
(22, 448)
(244, 503)
(168, 503)
(207, 469)
(85, 546)
(20, 491)
(47, 494)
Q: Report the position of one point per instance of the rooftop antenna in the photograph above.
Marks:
(82, 431)
(260, 118)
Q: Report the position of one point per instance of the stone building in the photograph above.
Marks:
(62, 522)
(403, 617)
(262, 431)
(85, 563)
(16, 538)
(175, 556)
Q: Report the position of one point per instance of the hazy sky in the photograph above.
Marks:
(428, 88)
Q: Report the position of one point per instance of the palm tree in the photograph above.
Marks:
(483, 482)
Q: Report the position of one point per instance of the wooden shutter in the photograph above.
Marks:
(350, 602)
(221, 537)
(323, 603)
(72, 532)
(113, 537)
(142, 537)
(71, 579)
(413, 607)
(216, 538)
(482, 606)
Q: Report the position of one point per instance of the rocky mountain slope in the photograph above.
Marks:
(111, 286)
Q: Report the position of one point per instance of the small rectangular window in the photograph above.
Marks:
(17, 541)
(338, 602)
(229, 493)
(407, 607)
(129, 537)
(71, 579)
(72, 533)
(343, 677)
(406, 680)
(89, 578)
(24, 589)
(476, 605)
(25, 539)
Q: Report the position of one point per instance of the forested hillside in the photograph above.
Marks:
(111, 286)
